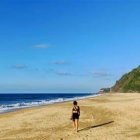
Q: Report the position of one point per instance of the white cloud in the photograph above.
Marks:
(42, 46)
(19, 66)
(63, 73)
(62, 62)
(101, 74)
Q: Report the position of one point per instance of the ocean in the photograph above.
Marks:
(10, 102)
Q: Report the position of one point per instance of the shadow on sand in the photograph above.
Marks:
(94, 126)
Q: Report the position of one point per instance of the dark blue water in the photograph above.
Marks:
(10, 102)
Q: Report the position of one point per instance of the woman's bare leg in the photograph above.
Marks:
(74, 124)
(77, 124)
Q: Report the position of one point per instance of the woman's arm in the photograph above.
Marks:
(79, 111)
(71, 114)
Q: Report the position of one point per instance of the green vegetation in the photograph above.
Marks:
(129, 82)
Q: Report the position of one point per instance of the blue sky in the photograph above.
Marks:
(67, 46)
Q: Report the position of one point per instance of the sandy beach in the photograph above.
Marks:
(106, 117)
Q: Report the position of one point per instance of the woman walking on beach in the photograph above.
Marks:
(75, 115)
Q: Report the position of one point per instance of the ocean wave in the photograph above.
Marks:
(21, 105)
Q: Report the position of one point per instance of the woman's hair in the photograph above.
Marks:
(74, 102)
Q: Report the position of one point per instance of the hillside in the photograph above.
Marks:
(129, 82)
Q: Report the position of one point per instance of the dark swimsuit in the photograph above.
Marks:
(76, 114)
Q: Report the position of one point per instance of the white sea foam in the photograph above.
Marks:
(21, 105)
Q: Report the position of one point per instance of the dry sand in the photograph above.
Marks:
(106, 117)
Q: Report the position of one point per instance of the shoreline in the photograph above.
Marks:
(53, 103)
(106, 117)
